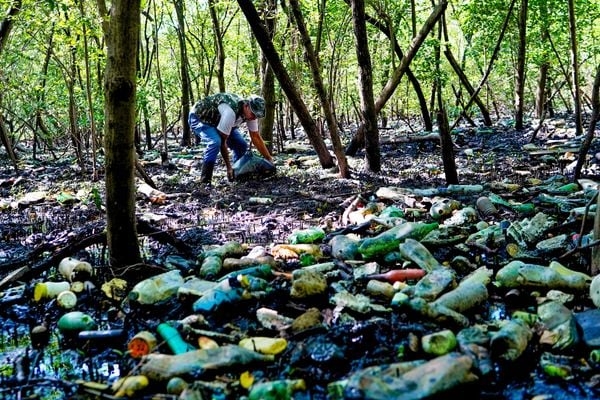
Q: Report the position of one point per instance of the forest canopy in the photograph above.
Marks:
(52, 61)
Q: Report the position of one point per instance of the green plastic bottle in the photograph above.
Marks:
(173, 339)
(282, 389)
(309, 235)
(388, 241)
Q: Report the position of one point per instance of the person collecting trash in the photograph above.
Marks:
(215, 120)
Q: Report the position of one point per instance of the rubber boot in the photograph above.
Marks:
(207, 173)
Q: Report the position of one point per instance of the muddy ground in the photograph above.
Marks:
(37, 233)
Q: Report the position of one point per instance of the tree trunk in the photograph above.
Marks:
(575, 69)
(386, 29)
(219, 45)
(365, 81)
(589, 137)
(70, 80)
(308, 123)
(88, 92)
(463, 78)
(5, 28)
(521, 72)
(540, 95)
(267, 124)
(186, 139)
(492, 60)
(321, 91)
(446, 143)
(122, 28)
(394, 80)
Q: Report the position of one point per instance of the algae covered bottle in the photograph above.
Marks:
(157, 288)
(388, 241)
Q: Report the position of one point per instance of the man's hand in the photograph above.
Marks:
(230, 174)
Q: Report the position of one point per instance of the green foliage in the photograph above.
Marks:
(53, 30)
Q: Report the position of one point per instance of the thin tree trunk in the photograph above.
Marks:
(464, 80)
(88, 90)
(521, 72)
(321, 91)
(386, 30)
(575, 68)
(394, 80)
(587, 143)
(71, 78)
(218, 44)
(122, 29)
(540, 96)
(186, 139)
(446, 143)
(161, 91)
(365, 80)
(495, 54)
(308, 123)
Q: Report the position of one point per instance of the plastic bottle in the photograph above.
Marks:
(310, 235)
(398, 275)
(157, 288)
(173, 339)
(142, 344)
(49, 290)
(414, 251)
(211, 267)
(465, 189)
(389, 240)
(226, 292)
(276, 390)
(76, 321)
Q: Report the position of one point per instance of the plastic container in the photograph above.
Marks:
(156, 289)
(73, 269)
(66, 299)
(173, 338)
(142, 344)
(49, 290)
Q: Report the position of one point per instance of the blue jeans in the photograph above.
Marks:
(211, 137)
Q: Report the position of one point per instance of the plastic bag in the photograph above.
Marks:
(252, 166)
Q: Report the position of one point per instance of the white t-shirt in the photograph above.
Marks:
(229, 121)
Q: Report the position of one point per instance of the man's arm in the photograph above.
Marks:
(258, 141)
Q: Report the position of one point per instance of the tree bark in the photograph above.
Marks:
(308, 123)
(386, 29)
(589, 137)
(219, 45)
(365, 81)
(540, 95)
(521, 72)
(122, 29)
(186, 139)
(446, 143)
(321, 91)
(267, 124)
(394, 80)
(5, 29)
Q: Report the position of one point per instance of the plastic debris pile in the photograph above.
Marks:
(420, 293)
